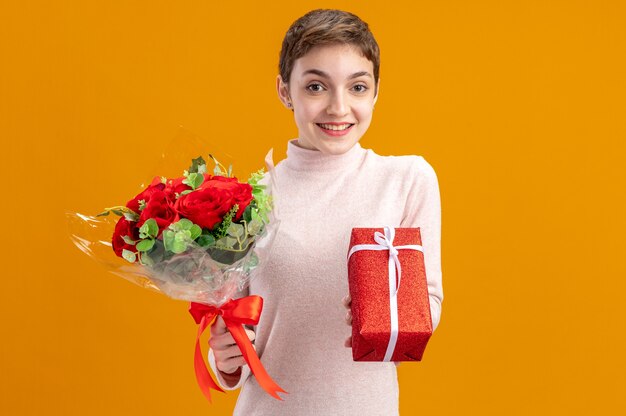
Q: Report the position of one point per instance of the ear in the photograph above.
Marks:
(283, 90)
(377, 92)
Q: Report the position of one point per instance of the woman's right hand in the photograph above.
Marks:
(228, 357)
(347, 303)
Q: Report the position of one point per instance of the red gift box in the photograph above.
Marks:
(375, 300)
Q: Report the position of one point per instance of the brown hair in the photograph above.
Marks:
(326, 27)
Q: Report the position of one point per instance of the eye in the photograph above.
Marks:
(360, 88)
(315, 87)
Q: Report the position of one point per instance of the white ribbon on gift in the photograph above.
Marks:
(385, 242)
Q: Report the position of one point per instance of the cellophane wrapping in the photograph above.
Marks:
(200, 271)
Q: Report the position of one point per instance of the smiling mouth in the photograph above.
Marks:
(335, 127)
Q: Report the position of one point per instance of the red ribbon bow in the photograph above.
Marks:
(236, 313)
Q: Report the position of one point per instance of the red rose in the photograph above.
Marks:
(220, 178)
(124, 228)
(176, 186)
(241, 192)
(155, 185)
(160, 208)
(205, 207)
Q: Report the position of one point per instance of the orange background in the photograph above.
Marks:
(519, 106)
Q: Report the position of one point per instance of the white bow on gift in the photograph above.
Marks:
(385, 242)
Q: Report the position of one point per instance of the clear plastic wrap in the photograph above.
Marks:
(206, 263)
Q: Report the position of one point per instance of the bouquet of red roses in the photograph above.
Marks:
(195, 233)
(198, 238)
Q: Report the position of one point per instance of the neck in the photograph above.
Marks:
(312, 160)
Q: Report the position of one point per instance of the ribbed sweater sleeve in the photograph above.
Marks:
(423, 210)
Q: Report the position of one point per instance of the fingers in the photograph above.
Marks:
(218, 326)
(226, 340)
(349, 317)
(231, 365)
(228, 357)
(347, 301)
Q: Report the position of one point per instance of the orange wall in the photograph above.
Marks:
(519, 106)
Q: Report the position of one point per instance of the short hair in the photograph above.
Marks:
(322, 27)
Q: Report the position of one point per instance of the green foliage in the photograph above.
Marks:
(194, 180)
(206, 239)
(198, 165)
(180, 235)
(262, 202)
(119, 211)
(129, 255)
(149, 229)
(128, 240)
(144, 258)
(226, 242)
(222, 229)
(235, 230)
(145, 245)
(131, 216)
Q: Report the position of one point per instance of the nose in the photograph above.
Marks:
(338, 105)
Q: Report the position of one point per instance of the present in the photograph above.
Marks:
(390, 305)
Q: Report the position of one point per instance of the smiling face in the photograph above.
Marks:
(332, 92)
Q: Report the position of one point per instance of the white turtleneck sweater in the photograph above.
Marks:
(300, 337)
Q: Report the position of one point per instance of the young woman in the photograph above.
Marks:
(329, 78)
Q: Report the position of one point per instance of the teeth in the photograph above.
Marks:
(334, 127)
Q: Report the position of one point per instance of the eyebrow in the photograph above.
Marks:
(325, 75)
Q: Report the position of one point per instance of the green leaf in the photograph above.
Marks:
(185, 192)
(247, 216)
(145, 245)
(128, 240)
(178, 247)
(146, 259)
(149, 229)
(103, 214)
(194, 180)
(226, 243)
(117, 212)
(168, 239)
(197, 180)
(255, 177)
(195, 231)
(131, 216)
(235, 230)
(230, 170)
(184, 224)
(254, 227)
(129, 255)
(197, 164)
(206, 240)
(183, 235)
(153, 227)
